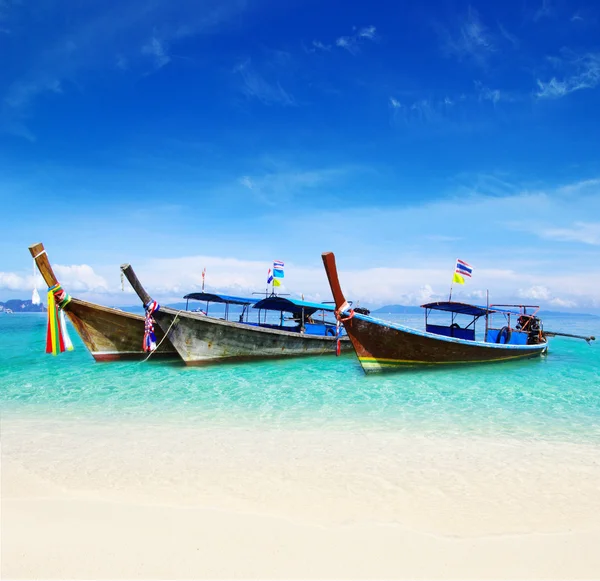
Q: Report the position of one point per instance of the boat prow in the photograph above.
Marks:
(109, 334)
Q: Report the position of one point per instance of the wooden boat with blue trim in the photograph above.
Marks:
(201, 338)
(109, 334)
(382, 345)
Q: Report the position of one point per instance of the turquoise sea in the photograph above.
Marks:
(555, 398)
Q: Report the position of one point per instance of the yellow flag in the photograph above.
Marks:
(276, 282)
(458, 279)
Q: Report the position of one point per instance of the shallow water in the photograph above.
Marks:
(556, 397)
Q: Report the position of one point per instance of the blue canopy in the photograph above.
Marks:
(466, 309)
(293, 306)
(214, 298)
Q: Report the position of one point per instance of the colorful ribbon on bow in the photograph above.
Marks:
(57, 336)
(149, 342)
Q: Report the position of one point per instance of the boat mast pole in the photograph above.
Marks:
(487, 312)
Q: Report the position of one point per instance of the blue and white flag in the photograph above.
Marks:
(462, 269)
(269, 277)
(278, 268)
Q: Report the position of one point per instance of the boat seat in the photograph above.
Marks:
(452, 331)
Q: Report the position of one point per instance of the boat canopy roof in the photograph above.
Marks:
(214, 298)
(466, 309)
(293, 306)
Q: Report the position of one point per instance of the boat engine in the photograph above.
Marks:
(534, 329)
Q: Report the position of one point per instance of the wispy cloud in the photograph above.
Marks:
(546, 10)
(157, 49)
(487, 94)
(255, 86)
(352, 42)
(508, 36)
(275, 187)
(580, 72)
(114, 37)
(455, 110)
(577, 17)
(584, 232)
(317, 45)
(472, 38)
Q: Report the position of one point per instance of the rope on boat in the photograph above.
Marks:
(165, 336)
(339, 320)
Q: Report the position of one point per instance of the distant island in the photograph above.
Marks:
(21, 306)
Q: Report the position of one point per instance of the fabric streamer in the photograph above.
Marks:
(35, 296)
(65, 332)
(149, 342)
(57, 336)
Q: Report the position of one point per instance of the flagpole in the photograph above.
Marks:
(452, 283)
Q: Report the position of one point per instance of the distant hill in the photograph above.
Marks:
(21, 306)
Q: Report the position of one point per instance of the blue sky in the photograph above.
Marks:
(226, 134)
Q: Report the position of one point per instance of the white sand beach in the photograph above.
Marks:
(112, 500)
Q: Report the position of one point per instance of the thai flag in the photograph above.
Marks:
(277, 264)
(269, 277)
(463, 268)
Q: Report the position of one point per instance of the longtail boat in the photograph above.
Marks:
(201, 339)
(109, 334)
(382, 345)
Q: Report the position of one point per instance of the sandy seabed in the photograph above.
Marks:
(103, 499)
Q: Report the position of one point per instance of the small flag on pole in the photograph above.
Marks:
(278, 269)
(203, 275)
(461, 271)
(269, 277)
(276, 282)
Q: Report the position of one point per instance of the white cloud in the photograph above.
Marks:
(12, 281)
(394, 103)
(367, 32)
(80, 277)
(534, 292)
(580, 72)
(404, 254)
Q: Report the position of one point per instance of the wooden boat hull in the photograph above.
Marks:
(201, 340)
(113, 335)
(382, 346)
(386, 346)
(109, 334)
